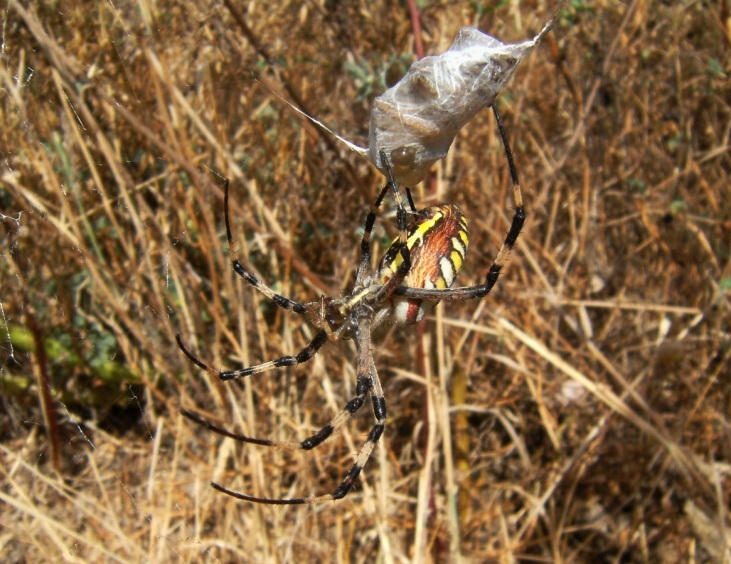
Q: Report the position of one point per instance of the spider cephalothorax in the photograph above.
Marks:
(416, 271)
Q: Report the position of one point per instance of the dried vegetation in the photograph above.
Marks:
(580, 413)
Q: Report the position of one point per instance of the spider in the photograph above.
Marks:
(416, 272)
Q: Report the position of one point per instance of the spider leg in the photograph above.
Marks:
(379, 411)
(203, 422)
(240, 269)
(303, 356)
(365, 243)
(411, 200)
(363, 386)
(516, 225)
(367, 377)
(385, 292)
(400, 210)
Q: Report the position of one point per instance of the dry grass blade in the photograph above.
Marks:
(581, 412)
(685, 460)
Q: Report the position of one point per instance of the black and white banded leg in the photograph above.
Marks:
(240, 269)
(367, 380)
(291, 360)
(362, 389)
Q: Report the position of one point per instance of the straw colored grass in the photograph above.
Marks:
(582, 412)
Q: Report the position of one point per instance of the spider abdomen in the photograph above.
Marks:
(437, 241)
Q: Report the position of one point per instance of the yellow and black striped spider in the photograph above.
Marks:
(416, 271)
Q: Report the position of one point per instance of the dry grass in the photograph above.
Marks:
(581, 413)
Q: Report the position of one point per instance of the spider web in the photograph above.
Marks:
(119, 124)
(113, 242)
(122, 124)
